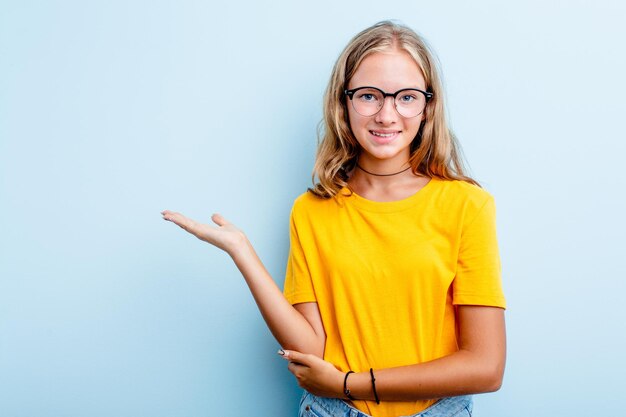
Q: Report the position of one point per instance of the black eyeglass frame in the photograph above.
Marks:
(350, 95)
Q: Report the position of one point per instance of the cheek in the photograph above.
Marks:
(354, 122)
(417, 123)
(355, 126)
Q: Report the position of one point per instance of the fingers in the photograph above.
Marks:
(166, 214)
(176, 218)
(296, 357)
(185, 223)
(171, 216)
(295, 368)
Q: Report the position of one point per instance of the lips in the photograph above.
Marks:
(383, 137)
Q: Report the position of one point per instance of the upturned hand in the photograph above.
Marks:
(224, 236)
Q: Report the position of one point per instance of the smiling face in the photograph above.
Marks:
(385, 138)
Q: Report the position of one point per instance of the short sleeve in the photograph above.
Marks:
(298, 284)
(478, 278)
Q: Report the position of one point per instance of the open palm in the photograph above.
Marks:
(224, 236)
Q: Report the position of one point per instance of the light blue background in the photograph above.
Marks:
(111, 111)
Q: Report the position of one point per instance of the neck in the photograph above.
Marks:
(402, 184)
(375, 167)
(382, 175)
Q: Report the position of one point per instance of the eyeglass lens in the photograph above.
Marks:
(369, 101)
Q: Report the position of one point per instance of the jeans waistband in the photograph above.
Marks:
(314, 406)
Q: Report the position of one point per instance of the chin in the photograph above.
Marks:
(383, 154)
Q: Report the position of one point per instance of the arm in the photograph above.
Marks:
(477, 366)
(297, 328)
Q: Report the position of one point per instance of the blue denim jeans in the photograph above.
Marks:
(314, 406)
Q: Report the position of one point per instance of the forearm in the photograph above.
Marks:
(460, 373)
(289, 327)
(478, 365)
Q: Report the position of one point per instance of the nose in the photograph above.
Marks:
(387, 114)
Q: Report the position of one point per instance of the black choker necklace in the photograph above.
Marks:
(382, 175)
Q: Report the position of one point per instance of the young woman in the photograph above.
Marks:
(392, 302)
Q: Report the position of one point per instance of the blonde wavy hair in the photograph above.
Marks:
(435, 152)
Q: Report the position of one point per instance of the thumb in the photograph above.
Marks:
(219, 220)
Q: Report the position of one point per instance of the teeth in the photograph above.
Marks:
(382, 135)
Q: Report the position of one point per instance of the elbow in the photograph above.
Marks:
(492, 378)
(494, 384)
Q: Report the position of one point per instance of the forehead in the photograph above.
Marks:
(390, 71)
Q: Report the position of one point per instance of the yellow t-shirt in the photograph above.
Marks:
(387, 275)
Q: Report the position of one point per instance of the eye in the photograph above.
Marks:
(366, 97)
(407, 98)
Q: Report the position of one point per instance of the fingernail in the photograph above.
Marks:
(282, 352)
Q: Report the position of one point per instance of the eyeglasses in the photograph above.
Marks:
(367, 101)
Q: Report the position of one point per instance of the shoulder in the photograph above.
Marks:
(307, 203)
(463, 190)
(308, 199)
(462, 195)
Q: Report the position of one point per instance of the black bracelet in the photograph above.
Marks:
(374, 386)
(346, 391)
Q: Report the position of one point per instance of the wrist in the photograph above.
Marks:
(239, 246)
(360, 386)
(346, 388)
